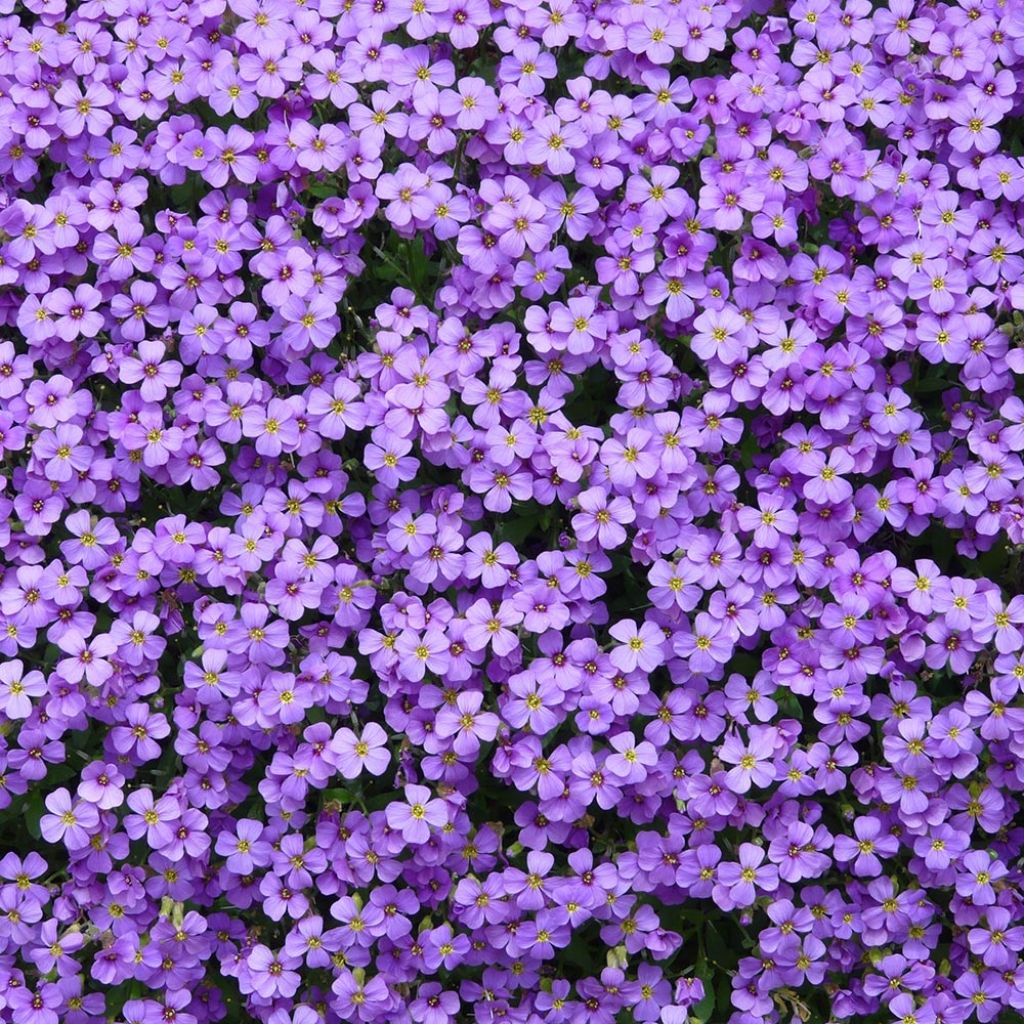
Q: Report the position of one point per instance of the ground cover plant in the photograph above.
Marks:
(511, 511)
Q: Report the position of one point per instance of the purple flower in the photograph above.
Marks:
(68, 821)
(354, 753)
(752, 761)
(17, 688)
(493, 399)
(140, 733)
(271, 974)
(740, 881)
(102, 784)
(415, 816)
(136, 640)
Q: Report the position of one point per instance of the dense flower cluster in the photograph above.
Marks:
(511, 511)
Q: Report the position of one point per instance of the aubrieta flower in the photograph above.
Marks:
(511, 511)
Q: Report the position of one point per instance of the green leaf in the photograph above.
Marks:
(517, 528)
(34, 810)
(718, 951)
(701, 1012)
